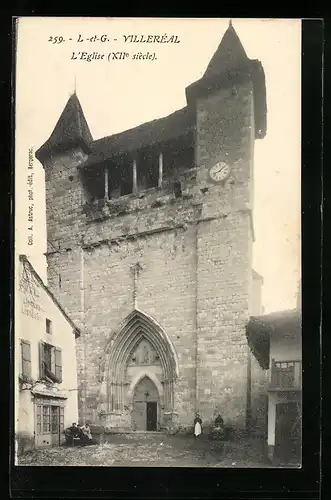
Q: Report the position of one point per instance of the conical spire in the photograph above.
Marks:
(230, 54)
(71, 129)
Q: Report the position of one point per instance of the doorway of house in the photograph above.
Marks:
(145, 406)
(49, 424)
(288, 430)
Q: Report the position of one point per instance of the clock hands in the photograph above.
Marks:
(219, 171)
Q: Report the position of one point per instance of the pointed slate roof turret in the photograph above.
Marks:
(230, 66)
(70, 131)
(229, 55)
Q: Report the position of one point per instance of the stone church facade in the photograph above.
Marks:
(150, 236)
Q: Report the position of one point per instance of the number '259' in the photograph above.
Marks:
(56, 39)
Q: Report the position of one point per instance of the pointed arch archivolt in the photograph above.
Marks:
(137, 326)
(149, 374)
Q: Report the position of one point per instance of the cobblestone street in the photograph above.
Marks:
(152, 450)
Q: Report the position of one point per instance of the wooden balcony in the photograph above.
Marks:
(285, 375)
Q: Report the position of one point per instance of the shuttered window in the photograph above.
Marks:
(26, 358)
(41, 361)
(58, 364)
(50, 358)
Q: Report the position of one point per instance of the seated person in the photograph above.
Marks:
(217, 430)
(86, 433)
(72, 432)
(219, 422)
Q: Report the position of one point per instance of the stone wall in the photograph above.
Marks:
(259, 397)
(224, 133)
(195, 257)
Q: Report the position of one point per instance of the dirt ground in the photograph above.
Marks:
(152, 450)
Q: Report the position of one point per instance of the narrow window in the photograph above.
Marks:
(48, 326)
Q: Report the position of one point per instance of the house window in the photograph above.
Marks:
(39, 419)
(48, 326)
(49, 419)
(50, 362)
(46, 419)
(61, 419)
(26, 359)
(55, 419)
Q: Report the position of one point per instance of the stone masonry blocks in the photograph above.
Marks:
(194, 255)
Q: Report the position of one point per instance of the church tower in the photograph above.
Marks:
(150, 237)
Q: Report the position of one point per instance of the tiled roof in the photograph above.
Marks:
(153, 132)
(277, 319)
(25, 260)
(259, 328)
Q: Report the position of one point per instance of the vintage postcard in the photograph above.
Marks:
(157, 243)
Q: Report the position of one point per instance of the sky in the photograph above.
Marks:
(120, 94)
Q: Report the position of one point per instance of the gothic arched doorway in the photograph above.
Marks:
(141, 359)
(145, 406)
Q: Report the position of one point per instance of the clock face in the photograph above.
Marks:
(220, 171)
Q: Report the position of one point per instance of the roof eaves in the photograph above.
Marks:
(76, 330)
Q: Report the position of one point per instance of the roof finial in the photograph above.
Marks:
(230, 22)
(73, 92)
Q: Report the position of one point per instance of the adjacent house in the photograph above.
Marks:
(46, 398)
(275, 340)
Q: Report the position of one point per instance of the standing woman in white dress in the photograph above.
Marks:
(197, 425)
